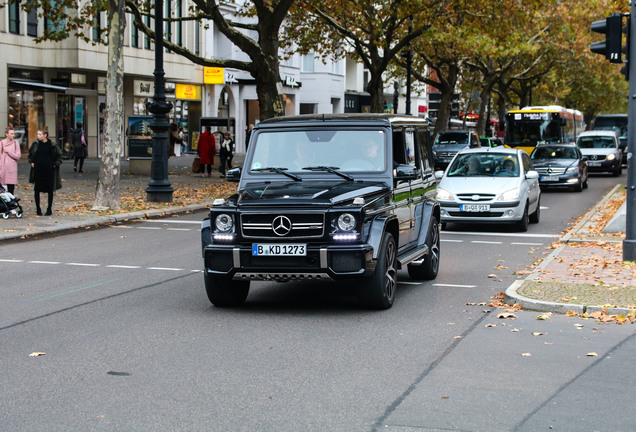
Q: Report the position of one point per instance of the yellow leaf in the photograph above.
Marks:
(544, 316)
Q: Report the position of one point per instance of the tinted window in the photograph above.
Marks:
(452, 138)
(597, 142)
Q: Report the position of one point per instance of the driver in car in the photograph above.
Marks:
(509, 167)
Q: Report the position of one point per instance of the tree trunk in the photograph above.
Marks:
(484, 100)
(107, 194)
(376, 90)
(269, 90)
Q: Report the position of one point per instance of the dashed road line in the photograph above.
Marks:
(454, 285)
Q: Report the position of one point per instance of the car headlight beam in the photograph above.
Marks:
(510, 195)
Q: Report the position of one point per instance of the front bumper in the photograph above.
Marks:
(604, 165)
(321, 262)
(499, 212)
(564, 180)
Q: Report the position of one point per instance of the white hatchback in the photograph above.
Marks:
(490, 185)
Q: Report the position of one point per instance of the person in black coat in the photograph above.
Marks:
(45, 158)
(79, 146)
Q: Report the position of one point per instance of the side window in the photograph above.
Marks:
(423, 144)
(409, 141)
(527, 165)
(399, 155)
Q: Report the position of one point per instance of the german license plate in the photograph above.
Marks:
(550, 178)
(474, 207)
(278, 249)
(593, 163)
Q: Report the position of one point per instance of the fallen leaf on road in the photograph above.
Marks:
(592, 354)
(544, 316)
(490, 325)
(36, 354)
(505, 315)
(493, 276)
(514, 330)
(537, 334)
(526, 354)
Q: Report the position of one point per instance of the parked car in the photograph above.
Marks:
(333, 197)
(560, 165)
(602, 150)
(617, 123)
(491, 185)
(448, 143)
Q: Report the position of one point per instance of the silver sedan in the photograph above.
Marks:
(491, 185)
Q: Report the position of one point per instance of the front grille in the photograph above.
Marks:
(446, 154)
(551, 170)
(476, 197)
(288, 225)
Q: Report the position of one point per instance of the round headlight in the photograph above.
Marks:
(346, 222)
(224, 222)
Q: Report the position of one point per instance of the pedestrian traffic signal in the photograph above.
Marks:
(611, 27)
(625, 50)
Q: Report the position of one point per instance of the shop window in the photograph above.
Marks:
(14, 17)
(97, 27)
(308, 62)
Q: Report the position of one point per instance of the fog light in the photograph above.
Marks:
(511, 213)
(573, 180)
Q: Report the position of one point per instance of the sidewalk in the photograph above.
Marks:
(72, 204)
(585, 272)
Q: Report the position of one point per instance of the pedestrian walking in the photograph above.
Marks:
(226, 153)
(206, 150)
(174, 145)
(80, 146)
(182, 137)
(9, 157)
(45, 158)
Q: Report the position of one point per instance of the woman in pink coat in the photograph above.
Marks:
(9, 157)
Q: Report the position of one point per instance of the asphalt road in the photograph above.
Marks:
(132, 343)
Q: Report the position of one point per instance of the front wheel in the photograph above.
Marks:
(522, 225)
(429, 267)
(378, 291)
(534, 217)
(222, 291)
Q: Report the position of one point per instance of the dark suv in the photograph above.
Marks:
(331, 197)
(448, 143)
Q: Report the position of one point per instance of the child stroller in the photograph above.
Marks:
(9, 204)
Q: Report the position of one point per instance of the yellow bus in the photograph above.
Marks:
(532, 125)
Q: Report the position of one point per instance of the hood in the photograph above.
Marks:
(545, 163)
(324, 193)
(478, 185)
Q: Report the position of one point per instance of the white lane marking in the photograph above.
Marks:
(160, 221)
(83, 264)
(11, 260)
(454, 285)
(452, 241)
(150, 228)
(164, 268)
(491, 234)
(485, 242)
(526, 244)
(178, 229)
(121, 226)
(123, 266)
(44, 262)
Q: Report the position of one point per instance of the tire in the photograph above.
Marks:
(534, 217)
(522, 225)
(618, 171)
(429, 268)
(578, 187)
(222, 291)
(378, 291)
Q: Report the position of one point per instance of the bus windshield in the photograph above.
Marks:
(524, 132)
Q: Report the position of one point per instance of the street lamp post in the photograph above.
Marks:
(159, 188)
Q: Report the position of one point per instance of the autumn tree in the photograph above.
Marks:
(373, 31)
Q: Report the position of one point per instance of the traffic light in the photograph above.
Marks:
(611, 27)
(625, 50)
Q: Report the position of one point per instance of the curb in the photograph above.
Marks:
(511, 296)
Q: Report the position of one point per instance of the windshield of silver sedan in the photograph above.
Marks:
(304, 151)
(484, 165)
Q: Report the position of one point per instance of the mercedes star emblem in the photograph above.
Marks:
(281, 225)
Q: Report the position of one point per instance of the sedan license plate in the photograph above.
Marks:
(595, 164)
(275, 249)
(474, 207)
(550, 178)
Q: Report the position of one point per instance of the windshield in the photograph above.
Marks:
(452, 138)
(533, 131)
(484, 165)
(306, 151)
(554, 152)
(618, 124)
(597, 142)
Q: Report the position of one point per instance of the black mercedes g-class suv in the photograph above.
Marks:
(341, 196)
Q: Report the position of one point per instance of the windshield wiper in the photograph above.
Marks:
(277, 170)
(333, 170)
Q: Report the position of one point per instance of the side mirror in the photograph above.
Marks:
(532, 175)
(439, 174)
(233, 175)
(405, 172)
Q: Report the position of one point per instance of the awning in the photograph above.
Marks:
(32, 85)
